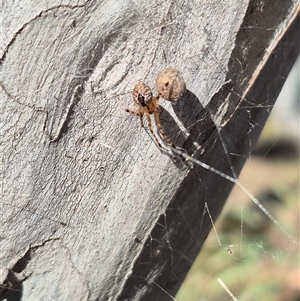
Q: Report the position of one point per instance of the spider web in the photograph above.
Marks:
(247, 233)
(261, 235)
(247, 243)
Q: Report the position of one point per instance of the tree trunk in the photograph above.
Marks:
(91, 208)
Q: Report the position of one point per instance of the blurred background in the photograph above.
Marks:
(255, 259)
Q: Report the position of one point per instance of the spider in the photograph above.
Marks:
(147, 105)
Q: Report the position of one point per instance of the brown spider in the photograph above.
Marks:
(146, 104)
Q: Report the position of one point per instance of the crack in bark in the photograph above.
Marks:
(10, 43)
(16, 274)
(63, 127)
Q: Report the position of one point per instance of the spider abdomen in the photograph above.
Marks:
(142, 94)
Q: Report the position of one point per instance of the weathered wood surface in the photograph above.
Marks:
(91, 209)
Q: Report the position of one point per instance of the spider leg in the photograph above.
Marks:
(136, 113)
(151, 130)
(141, 119)
(160, 129)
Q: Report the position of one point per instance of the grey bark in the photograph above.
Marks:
(91, 208)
